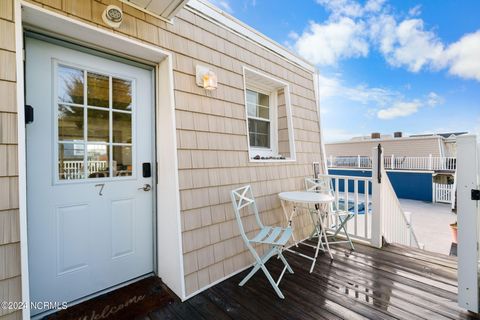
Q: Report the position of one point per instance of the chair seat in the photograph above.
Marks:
(343, 213)
(273, 235)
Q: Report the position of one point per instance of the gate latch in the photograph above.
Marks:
(475, 194)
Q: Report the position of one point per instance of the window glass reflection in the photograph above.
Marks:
(70, 161)
(97, 160)
(121, 94)
(70, 123)
(122, 161)
(97, 90)
(70, 85)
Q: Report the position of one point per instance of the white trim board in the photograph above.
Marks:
(169, 237)
(22, 160)
(230, 23)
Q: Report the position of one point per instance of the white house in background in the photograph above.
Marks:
(435, 153)
(419, 145)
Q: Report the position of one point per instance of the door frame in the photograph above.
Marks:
(168, 230)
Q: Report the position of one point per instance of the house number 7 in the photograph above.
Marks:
(101, 185)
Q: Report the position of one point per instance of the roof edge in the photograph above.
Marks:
(386, 140)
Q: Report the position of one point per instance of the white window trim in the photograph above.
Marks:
(273, 120)
(273, 94)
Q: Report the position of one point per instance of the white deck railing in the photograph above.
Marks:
(443, 192)
(395, 162)
(73, 169)
(396, 223)
(354, 192)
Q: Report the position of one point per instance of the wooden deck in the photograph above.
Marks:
(391, 283)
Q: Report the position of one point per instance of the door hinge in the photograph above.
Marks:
(475, 194)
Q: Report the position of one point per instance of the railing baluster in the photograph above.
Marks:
(355, 190)
(367, 206)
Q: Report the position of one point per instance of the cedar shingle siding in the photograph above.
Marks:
(211, 134)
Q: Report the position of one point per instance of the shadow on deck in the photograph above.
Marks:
(390, 283)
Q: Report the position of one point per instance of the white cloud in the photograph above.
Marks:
(463, 57)
(434, 99)
(325, 44)
(352, 30)
(351, 8)
(415, 11)
(383, 103)
(335, 134)
(411, 46)
(362, 93)
(293, 35)
(399, 109)
(222, 4)
(328, 87)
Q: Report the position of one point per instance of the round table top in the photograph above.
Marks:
(306, 197)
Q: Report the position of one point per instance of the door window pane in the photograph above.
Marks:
(98, 125)
(122, 161)
(97, 160)
(70, 85)
(122, 127)
(97, 90)
(70, 161)
(121, 94)
(70, 123)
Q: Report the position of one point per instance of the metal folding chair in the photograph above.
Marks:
(340, 216)
(275, 237)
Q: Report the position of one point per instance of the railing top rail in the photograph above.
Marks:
(345, 177)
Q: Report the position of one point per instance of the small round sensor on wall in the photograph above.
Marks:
(112, 16)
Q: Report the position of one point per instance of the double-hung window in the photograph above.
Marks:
(259, 119)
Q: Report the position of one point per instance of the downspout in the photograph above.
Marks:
(316, 84)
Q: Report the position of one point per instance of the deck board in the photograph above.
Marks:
(390, 283)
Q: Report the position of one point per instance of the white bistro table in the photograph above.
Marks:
(308, 198)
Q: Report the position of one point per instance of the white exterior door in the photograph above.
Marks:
(90, 221)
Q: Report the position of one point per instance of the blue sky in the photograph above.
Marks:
(404, 65)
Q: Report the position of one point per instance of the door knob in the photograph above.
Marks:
(146, 187)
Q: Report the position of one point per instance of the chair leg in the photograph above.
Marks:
(285, 261)
(343, 227)
(250, 274)
(324, 233)
(348, 236)
(258, 265)
(272, 282)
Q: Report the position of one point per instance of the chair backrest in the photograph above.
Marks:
(243, 198)
(320, 185)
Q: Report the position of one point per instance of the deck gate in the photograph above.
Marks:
(468, 210)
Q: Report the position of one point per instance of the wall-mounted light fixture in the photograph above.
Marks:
(206, 78)
(112, 16)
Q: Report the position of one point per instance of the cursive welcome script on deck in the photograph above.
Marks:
(110, 310)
